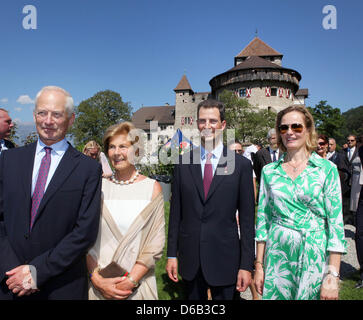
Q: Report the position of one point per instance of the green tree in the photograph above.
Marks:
(354, 122)
(328, 120)
(96, 114)
(13, 133)
(31, 137)
(250, 123)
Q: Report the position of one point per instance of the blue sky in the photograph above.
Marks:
(141, 48)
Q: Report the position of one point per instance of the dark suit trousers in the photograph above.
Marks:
(197, 289)
(359, 233)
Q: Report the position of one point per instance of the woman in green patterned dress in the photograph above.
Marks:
(300, 231)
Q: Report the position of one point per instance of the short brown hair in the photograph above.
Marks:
(211, 103)
(311, 141)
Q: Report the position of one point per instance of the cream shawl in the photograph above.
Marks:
(143, 243)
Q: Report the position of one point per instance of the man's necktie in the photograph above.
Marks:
(208, 174)
(40, 185)
(274, 155)
(349, 154)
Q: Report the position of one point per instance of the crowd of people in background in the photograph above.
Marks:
(89, 225)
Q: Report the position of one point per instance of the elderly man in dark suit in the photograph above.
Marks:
(6, 124)
(49, 208)
(210, 185)
(266, 155)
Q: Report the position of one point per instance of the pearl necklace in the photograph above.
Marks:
(121, 182)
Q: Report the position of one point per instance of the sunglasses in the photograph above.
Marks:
(321, 143)
(239, 151)
(295, 127)
(350, 140)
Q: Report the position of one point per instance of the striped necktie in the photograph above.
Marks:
(40, 185)
(208, 175)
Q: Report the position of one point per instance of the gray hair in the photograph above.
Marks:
(69, 106)
(271, 132)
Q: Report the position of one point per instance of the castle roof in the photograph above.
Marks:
(255, 62)
(258, 48)
(162, 114)
(183, 84)
(302, 93)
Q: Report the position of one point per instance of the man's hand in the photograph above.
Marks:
(21, 281)
(172, 269)
(243, 280)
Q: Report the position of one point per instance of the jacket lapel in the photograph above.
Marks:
(267, 156)
(64, 169)
(27, 179)
(224, 164)
(196, 172)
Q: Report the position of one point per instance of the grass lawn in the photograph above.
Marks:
(168, 290)
(347, 290)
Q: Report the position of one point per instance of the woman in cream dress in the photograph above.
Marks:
(131, 231)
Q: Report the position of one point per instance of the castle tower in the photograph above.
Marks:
(259, 77)
(186, 103)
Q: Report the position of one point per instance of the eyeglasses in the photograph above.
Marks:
(239, 151)
(295, 127)
(350, 140)
(321, 143)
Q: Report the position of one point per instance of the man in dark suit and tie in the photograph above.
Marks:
(6, 124)
(210, 185)
(49, 208)
(350, 154)
(266, 155)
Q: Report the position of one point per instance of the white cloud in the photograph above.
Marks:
(25, 99)
(4, 100)
(18, 109)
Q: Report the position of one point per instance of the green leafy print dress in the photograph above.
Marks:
(300, 220)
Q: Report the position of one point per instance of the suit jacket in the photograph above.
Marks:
(340, 159)
(203, 232)
(65, 227)
(9, 144)
(262, 158)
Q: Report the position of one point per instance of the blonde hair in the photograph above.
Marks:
(92, 145)
(118, 129)
(311, 141)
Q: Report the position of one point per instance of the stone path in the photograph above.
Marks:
(349, 262)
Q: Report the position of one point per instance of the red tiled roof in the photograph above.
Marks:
(183, 84)
(258, 48)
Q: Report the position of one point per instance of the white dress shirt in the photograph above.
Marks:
(216, 152)
(58, 150)
(272, 153)
(3, 146)
(350, 153)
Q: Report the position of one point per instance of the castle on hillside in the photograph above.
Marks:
(257, 75)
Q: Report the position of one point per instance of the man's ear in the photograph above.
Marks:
(71, 120)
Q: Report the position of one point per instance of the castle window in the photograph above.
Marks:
(242, 92)
(273, 92)
(187, 120)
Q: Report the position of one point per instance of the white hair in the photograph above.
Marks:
(69, 106)
(270, 133)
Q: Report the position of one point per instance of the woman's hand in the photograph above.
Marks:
(108, 287)
(259, 278)
(125, 284)
(330, 288)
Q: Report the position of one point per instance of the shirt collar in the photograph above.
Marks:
(58, 147)
(314, 160)
(217, 151)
